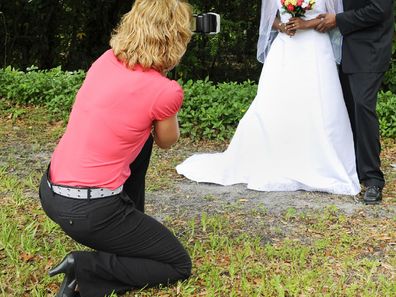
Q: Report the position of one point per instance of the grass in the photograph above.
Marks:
(237, 252)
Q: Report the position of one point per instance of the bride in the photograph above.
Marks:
(296, 134)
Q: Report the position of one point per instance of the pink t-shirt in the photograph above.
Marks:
(110, 121)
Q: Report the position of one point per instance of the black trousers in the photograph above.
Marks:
(132, 250)
(360, 93)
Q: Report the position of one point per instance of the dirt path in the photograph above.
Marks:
(192, 199)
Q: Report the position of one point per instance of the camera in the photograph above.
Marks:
(206, 23)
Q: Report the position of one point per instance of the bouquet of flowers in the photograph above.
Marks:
(297, 8)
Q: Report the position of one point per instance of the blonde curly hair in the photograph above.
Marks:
(153, 34)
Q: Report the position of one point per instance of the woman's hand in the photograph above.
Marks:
(296, 24)
(283, 28)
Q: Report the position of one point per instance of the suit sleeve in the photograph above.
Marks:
(367, 16)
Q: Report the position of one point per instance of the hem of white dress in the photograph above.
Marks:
(336, 189)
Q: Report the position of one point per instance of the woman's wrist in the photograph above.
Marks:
(311, 24)
(304, 25)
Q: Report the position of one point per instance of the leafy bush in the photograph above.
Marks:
(210, 111)
(213, 111)
(386, 110)
(53, 88)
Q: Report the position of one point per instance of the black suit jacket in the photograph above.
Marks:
(367, 27)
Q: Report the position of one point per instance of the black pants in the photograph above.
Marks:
(133, 250)
(360, 93)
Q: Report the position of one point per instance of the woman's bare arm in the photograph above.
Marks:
(166, 132)
(300, 24)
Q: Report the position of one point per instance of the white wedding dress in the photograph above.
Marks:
(296, 134)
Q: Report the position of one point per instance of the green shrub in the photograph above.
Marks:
(213, 111)
(386, 110)
(210, 111)
(53, 88)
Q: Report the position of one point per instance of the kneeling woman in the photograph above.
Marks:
(94, 187)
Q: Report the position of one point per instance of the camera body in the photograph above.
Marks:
(206, 23)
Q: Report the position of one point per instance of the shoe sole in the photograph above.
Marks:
(372, 202)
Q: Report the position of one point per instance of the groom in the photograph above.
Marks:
(367, 27)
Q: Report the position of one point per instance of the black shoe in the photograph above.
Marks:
(67, 288)
(66, 266)
(373, 195)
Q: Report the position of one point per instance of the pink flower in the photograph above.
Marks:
(290, 7)
(282, 2)
(300, 2)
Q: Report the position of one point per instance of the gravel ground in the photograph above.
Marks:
(192, 199)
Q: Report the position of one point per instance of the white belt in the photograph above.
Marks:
(84, 193)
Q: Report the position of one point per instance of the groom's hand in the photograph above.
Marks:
(327, 22)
